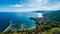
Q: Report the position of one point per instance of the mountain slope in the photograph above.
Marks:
(54, 16)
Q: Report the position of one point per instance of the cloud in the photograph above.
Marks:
(38, 3)
(57, 7)
(44, 5)
(42, 1)
(17, 5)
(32, 6)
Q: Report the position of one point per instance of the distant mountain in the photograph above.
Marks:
(44, 11)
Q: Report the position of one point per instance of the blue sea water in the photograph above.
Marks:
(18, 19)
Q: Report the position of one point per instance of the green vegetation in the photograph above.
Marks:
(48, 25)
(53, 16)
(0, 32)
(8, 32)
(52, 31)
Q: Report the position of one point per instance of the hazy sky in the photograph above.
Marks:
(28, 5)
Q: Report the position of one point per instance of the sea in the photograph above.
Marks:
(18, 19)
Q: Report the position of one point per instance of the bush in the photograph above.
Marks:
(55, 31)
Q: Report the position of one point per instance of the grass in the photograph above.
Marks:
(0, 32)
(50, 31)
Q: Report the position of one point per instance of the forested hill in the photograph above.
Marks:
(42, 11)
(53, 16)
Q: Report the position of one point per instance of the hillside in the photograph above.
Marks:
(53, 16)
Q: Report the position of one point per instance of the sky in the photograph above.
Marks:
(28, 5)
